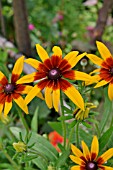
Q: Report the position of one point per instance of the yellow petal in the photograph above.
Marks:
(95, 59)
(105, 156)
(35, 90)
(42, 52)
(21, 103)
(26, 89)
(94, 148)
(56, 99)
(48, 97)
(26, 79)
(94, 79)
(95, 71)
(70, 57)
(57, 51)
(75, 96)
(40, 95)
(75, 168)
(101, 83)
(76, 160)
(76, 151)
(82, 76)
(3, 79)
(105, 53)
(106, 168)
(34, 63)
(7, 107)
(85, 151)
(78, 58)
(18, 67)
(110, 91)
(1, 107)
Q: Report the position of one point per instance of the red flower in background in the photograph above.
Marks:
(55, 138)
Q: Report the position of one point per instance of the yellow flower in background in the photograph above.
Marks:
(20, 146)
(53, 72)
(80, 114)
(104, 75)
(89, 160)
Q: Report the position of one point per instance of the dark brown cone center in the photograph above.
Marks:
(9, 88)
(91, 166)
(111, 70)
(54, 74)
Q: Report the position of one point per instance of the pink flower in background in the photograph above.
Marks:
(31, 27)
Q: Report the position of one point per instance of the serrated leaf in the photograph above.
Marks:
(34, 122)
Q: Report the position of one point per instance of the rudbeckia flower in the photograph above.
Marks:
(53, 72)
(89, 160)
(80, 114)
(105, 72)
(10, 91)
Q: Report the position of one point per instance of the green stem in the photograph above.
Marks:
(63, 122)
(77, 134)
(9, 158)
(70, 137)
(22, 119)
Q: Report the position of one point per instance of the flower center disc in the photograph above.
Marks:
(54, 74)
(91, 166)
(9, 88)
(111, 70)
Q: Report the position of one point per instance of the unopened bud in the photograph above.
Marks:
(20, 146)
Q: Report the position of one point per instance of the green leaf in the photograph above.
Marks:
(107, 110)
(85, 136)
(34, 122)
(57, 126)
(105, 138)
(86, 124)
(29, 157)
(72, 124)
(40, 163)
(65, 117)
(62, 159)
(42, 145)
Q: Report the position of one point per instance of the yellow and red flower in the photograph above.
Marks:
(89, 160)
(53, 73)
(105, 72)
(10, 91)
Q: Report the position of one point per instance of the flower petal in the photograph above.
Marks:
(105, 168)
(27, 78)
(94, 148)
(23, 89)
(72, 93)
(110, 91)
(76, 168)
(57, 51)
(94, 79)
(48, 97)
(76, 160)
(105, 156)
(76, 151)
(40, 95)
(95, 59)
(1, 107)
(78, 58)
(101, 83)
(85, 151)
(56, 99)
(18, 67)
(20, 102)
(34, 63)
(70, 57)
(35, 90)
(105, 53)
(8, 104)
(42, 52)
(82, 76)
(3, 79)
(95, 71)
